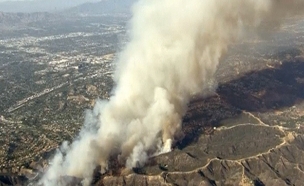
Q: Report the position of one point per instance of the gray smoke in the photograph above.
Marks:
(173, 53)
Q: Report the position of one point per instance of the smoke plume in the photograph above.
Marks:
(173, 53)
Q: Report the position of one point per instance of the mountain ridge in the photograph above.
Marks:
(103, 7)
(39, 5)
(19, 19)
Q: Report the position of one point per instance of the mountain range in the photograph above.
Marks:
(83, 6)
(103, 7)
(20, 14)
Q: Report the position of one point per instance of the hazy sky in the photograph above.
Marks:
(38, 5)
(41, 0)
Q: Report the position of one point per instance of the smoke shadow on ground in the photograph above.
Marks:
(256, 91)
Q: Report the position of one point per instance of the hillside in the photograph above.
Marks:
(103, 7)
(39, 5)
(11, 19)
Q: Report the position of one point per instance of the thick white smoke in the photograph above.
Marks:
(174, 50)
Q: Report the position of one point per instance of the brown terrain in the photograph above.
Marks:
(250, 133)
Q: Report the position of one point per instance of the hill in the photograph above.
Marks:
(11, 19)
(39, 5)
(103, 7)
